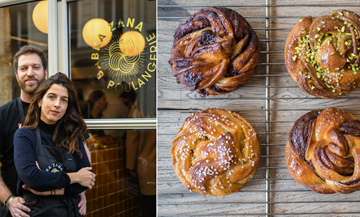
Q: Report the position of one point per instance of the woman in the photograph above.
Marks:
(49, 152)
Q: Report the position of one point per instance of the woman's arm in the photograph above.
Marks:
(84, 164)
(39, 180)
(45, 193)
(24, 159)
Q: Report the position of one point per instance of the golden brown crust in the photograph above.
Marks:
(215, 152)
(322, 54)
(214, 52)
(323, 151)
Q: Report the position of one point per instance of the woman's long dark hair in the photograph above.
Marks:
(71, 126)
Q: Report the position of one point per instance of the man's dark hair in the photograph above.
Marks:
(128, 95)
(30, 49)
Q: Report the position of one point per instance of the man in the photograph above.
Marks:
(30, 64)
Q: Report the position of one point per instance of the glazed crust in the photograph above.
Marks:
(323, 151)
(214, 52)
(215, 152)
(322, 54)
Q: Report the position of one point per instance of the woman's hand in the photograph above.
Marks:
(84, 177)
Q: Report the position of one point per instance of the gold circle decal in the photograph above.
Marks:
(40, 16)
(132, 43)
(96, 32)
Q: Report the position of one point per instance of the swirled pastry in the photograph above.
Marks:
(215, 152)
(322, 54)
(214, 52)
(323, 151)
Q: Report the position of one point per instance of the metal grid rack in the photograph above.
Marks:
(270, 101)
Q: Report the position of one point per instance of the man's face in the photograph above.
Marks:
(30, 73)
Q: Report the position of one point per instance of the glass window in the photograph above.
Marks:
(113, 57)
(20, 25)
(125, 169)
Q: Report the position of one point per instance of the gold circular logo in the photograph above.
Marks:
(123, 60)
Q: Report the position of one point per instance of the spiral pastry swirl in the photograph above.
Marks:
(322, 54)
(323, 151)
(215, 152)
(214, 52)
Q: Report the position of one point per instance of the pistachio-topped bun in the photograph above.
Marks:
(322, 54)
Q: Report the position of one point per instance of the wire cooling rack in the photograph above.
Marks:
(271, 101)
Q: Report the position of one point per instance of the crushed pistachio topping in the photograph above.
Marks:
(311, 59)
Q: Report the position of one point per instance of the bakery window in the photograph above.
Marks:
(113, 57)
(108, 49)
(125, 168)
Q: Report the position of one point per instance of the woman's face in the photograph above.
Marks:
(54, 104)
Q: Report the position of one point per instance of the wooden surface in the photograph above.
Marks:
(287, 102)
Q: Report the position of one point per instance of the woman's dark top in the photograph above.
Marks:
(40, 180)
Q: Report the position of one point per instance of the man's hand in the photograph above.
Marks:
(82, 203)
(17, 207)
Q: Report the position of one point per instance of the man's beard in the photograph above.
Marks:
(31, 89)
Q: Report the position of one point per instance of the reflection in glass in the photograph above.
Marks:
(113, 50)
(141, 161)
(125, 171)
(17, 29)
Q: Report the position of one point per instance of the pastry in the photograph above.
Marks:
(323, 151)
(214, 52)
(322, 54)
(215, 152)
